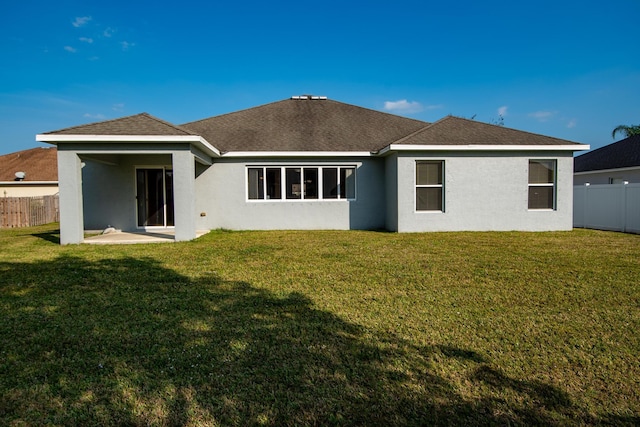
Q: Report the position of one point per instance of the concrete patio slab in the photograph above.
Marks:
(127, 238)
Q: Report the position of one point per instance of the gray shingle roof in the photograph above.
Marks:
(139, 124)
(304, 125)
(458, 131)
(622, 154)
(319, 125)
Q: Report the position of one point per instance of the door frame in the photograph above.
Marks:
(165, 169)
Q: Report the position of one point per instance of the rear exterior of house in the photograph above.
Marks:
(310, 163)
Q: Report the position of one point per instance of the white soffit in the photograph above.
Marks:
(198, 140)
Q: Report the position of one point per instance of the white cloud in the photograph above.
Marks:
(127, 45)
(542, 116)
(81, 21)
(70, 49)
(434, 107)
(572, 123)
(86, 40)
(108, 32)
(502, 111)
(95, 116)
(403, 106)
(118, 107)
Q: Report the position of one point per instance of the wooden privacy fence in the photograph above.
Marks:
(614, 207)
(28, 211)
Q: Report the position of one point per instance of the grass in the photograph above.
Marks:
(322, 328)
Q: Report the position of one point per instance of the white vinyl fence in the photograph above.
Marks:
(614, 207)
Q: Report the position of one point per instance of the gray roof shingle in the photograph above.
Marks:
(304, 125)
(458, 131)
(622, 154)
(316, 125)
(139, 124)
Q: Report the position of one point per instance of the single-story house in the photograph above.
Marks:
(29, 173)
(309, 162)
(615, 163)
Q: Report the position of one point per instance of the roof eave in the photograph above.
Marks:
(196, 139)
(482, 147)
(271, 154)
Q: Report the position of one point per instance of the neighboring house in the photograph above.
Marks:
(612, 164)
(29, 173)
(310, 163)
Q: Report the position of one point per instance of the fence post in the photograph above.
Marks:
(624, 206)
(586, 205)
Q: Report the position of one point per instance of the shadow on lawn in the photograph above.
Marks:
(128, 341)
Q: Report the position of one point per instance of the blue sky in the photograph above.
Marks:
(567, 69)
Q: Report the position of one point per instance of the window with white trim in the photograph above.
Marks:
(542, 184)
(430, 185)
(301, 182)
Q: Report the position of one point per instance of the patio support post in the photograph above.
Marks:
(70, 193)
(184, 195)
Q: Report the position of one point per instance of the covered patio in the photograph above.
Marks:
(135, 174)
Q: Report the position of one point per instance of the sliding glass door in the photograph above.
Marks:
(154, 195)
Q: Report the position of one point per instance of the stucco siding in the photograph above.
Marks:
(485, 192)
(222, 202)
(28, 190)
(391, 190)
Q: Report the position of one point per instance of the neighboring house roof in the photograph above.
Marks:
(456, 131)
(139, 124)
(38, 164)
(622, 154)
(304, 125)
(315, 124)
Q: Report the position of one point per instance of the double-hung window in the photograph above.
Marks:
(542, 184)
(301, 183)
(430, 185)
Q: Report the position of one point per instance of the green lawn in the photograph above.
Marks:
(322, 328)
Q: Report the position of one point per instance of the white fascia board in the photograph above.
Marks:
(628, 169)
(297, 154)
(483, 147)
(53, 139)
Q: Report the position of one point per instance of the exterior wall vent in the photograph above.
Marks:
(312, 97)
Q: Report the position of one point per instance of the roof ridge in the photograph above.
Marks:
(305, 100)
(232, 112)
(419, 131)
(164, 122)
(102, 122)
(95, 123)
(510, 128)
(501, 127)
(627, 140)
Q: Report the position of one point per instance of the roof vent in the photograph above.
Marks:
(313, 97)
(20, 176)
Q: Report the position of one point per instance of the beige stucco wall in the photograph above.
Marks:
(26, 189)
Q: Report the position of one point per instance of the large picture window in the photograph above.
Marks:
(430, 185)
(542, 184)
(301, 183)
